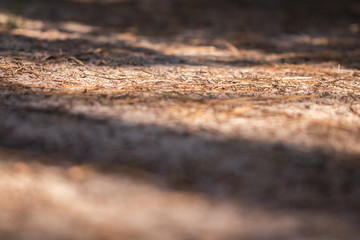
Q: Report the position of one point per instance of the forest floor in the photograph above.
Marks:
(179, 119)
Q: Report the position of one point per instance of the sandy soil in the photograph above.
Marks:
(156, 119)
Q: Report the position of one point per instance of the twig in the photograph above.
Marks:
(76, 60)
(31, 72)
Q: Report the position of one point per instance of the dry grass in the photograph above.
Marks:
(204, 126)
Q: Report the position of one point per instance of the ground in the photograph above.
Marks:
(156, 119)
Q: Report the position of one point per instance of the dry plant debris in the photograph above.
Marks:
(157, 119)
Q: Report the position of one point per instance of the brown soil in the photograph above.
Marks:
(179, 119)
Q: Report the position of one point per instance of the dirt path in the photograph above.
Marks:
(157, 119)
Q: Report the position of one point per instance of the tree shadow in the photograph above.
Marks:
(256, 175)
(311, 32)
(237, 168)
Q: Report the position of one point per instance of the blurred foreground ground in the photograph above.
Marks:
(157, 119)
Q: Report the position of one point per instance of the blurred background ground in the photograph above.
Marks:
(155, 119)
